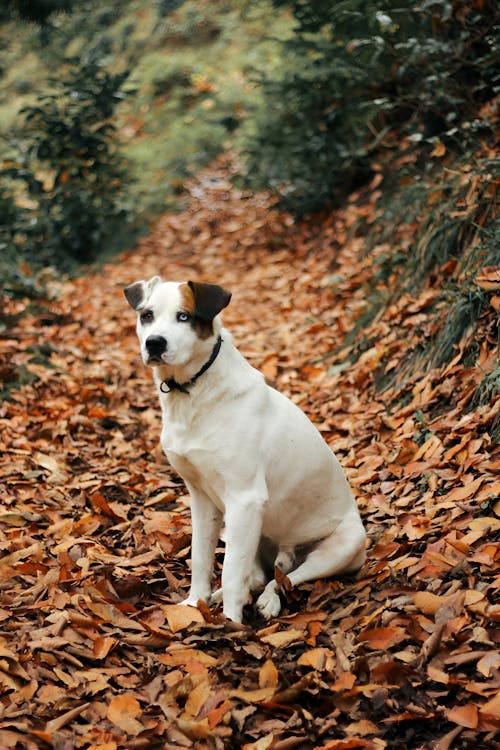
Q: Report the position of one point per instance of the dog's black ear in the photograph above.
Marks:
(138, 292)
(135, 294)
(209, 299)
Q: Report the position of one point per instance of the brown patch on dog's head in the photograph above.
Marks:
(203, 302)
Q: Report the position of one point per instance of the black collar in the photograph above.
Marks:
(172, 385)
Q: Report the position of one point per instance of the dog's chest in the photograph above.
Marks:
(193, 447)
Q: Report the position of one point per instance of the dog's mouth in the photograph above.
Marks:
(155, 359)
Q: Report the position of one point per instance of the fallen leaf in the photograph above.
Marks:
(465, 716)
(492, 707)
(268, 675)
(283, 638)
(102, 647)
(429, 603)
(261, 695)
(317, 658)
(489, 278)
(382, 638)
(180, 616)
(122, 711)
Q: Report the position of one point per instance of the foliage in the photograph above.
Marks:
(37, 11)
(188, 64)
(354, 73)
(69, 172)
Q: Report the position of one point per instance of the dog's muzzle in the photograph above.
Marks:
(155, 347)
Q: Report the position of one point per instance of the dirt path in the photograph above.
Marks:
(95, 529)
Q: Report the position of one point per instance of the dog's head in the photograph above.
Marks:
(174, 317)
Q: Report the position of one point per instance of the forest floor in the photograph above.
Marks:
(95, 651)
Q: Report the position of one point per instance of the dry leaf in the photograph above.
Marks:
(180, 616)
(465, 716)
(102, 647)
(489, 278)
(429, 603)
(268, 675)
(382, 638)
(283, 638)
(492, 707)
(317, 658)
(122, 711)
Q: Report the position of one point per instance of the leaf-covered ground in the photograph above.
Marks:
(95, 529)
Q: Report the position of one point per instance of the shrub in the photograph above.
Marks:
(69, 171)
(37, 11)
(352, 73)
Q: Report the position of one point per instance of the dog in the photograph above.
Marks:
(249, 457)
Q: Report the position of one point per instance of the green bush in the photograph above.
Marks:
(355, 71)
(69, 173)
(37, 11)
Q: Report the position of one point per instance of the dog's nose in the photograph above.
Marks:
(156, 346)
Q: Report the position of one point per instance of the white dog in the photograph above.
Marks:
(248, 455)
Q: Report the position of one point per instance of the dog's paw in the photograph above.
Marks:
(216, 596)
(269, 603)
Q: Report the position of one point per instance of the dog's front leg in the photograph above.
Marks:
(206, 522)
(243, 532)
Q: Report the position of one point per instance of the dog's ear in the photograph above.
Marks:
(209, 299)
(138, 292)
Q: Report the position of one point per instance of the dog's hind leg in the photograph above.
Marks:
(341, 552)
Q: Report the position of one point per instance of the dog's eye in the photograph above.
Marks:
(147, 316)
(183, 317)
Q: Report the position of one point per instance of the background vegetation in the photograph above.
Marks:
(106, 108)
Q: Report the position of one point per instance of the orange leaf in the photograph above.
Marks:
(488, 663)
(217, 714)
(344, 744)
(254, 696)
(122, 712)
(312, 373)
(344, 682)
(97, 412)
(197, 699)
(268, 675)
(382, 637)
(283, 638)
(269, 366)
(317, 658)
(110, 613)
(180, 616)
(102, 647)
(364, 726)
(465, 492)
(439, 149)
(492, 707)
(429, 603)
(314, 628)
(489, 278)
(464, 716)
(263, 744)
(188, 658)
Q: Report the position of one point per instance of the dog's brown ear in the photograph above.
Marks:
(209, 299)
(137, 293)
